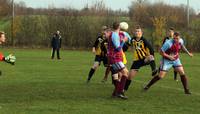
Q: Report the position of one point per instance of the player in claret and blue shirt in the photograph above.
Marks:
(170, 58)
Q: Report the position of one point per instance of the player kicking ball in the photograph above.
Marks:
(170, 58)
(8, 59)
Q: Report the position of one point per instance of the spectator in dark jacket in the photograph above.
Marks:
(56, 44)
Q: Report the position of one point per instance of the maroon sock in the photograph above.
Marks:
(154, 80)
(120, 86)
(184, 82)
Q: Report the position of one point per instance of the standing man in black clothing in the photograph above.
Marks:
(56, 44)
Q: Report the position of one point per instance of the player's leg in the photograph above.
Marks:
(151, 61)
(131, 75)
(120, 85)
(155, 79)
(184, 80)
(53, 53)
(105, 62)
(134, 69)
(175, 75)
(58, 53)
(164, 67)
(93, 69)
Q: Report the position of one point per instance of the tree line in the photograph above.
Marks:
(33, 27)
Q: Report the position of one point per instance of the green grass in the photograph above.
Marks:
(39, 85)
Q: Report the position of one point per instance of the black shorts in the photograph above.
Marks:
(137, 64)
(99, 58)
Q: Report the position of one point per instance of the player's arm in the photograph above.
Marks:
(164, 48)
(149, 46)
(95, 45)
(116, 42)
(127, 43)
(185, 49)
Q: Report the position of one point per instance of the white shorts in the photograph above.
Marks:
(116, 67)
(166, 64)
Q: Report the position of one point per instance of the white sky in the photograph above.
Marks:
(114, 4)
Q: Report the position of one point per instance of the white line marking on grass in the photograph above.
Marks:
(167, 87)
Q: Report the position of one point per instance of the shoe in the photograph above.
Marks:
(145, 89)
(188, 92)
(121, 96)
(154, 73)
(0, 73)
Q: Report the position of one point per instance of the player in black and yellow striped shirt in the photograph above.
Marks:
(100, 51)
(143, 55)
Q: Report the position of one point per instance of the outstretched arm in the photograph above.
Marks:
(185, 49)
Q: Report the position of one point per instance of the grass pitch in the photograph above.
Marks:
(39, 85)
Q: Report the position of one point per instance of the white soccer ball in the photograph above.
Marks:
(123, 25)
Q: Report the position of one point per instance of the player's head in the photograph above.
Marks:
(138, 32)
(176, 36)
(116, 26)
(107, 32)
(104, 28)
(170, 32)
(2, 37)
(57, 32)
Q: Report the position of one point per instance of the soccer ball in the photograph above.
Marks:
(123, 25)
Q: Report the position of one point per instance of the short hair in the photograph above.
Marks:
(177, 34)
(1, 32)
(104, 27)
(171, 28)
(116, 25)
(138, 27)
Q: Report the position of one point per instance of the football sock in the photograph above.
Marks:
(121, 84)
(153, 65)
(91, 73)
(128, 82)
(184, 82)
(154, 80)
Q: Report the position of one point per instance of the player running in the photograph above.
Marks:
(115, 44)
(170, 58)
(143, 55)
(170, 34)
(100, 51)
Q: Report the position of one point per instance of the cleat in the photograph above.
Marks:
(121, 96)
(144, 89)
(188, 92)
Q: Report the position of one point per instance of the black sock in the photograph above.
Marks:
(128, 82)
(175, 75)
(91, 73)
(153, 65)
(154, 80)
(184, 82)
